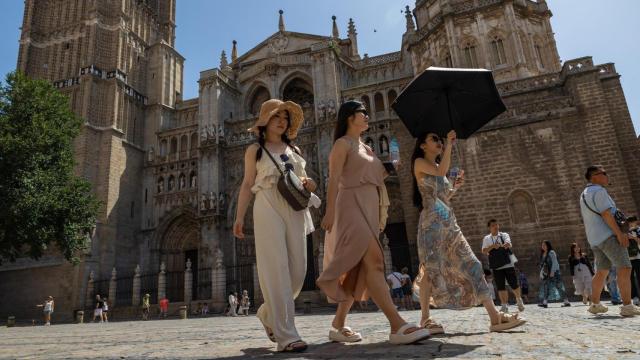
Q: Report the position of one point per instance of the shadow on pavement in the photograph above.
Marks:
(427, 349)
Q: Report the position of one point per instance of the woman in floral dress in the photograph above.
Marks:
(449, 270)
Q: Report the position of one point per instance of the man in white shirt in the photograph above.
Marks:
(395, 283)
(497, 246)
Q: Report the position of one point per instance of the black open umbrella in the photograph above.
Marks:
(442, 99)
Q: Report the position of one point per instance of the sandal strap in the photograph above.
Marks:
(405, 327)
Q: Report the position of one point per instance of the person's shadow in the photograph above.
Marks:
(426, 349)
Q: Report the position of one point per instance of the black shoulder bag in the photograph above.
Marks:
(499, 257)
(290, 186)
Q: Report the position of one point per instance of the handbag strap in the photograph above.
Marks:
(272, 159)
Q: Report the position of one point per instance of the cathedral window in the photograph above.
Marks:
(497, 52)
(470, 56)
(379, 102)
(174, 146)
(391, 96)
(539, 55)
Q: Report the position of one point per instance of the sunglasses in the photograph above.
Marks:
(600, 172)
(436, 138)
(284, 159)
(363, 111)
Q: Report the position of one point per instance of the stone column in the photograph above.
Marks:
(89, 297)
(388, 263)
(162, 283)
(218, 281)
(188, 283)
(135, 297)
(113, 283)
(257, 292)
(320, 257)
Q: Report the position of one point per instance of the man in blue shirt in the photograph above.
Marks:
(608, 242)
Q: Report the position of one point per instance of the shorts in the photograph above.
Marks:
(97, 312)
(610, 253)
(47, 312)
(504, 276)
(396, 293)
(524, 290)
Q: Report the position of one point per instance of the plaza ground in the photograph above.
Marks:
(551, 333)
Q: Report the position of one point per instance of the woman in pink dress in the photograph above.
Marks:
(353, 262)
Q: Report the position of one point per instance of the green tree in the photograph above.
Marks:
(42, 202)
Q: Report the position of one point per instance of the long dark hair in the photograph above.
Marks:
(418, 153)
(262, 130)
(573, 246)
(347, 109)
(549, 247)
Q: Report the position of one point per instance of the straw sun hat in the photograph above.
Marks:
(271, 107)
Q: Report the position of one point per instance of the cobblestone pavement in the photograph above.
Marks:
(551, 333)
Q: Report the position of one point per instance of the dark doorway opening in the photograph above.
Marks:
(399, 245)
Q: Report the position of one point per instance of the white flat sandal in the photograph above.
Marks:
(400, 338)
(336, 335)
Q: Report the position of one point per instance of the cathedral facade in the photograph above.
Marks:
(168, 169)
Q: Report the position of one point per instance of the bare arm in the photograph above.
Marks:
(244, 195)
(337, 158)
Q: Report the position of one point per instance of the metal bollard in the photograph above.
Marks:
(11, 321)
(183, 312)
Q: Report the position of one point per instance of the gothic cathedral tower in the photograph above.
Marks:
(116, 61)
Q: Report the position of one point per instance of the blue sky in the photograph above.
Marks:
(206, 27)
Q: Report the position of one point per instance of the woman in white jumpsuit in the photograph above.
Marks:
(280, 232)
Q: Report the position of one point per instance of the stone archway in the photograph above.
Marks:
(179, 239)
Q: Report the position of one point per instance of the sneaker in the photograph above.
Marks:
(543, 305)
(566, 304)
(636, 301)
(520, 305)
(504, 308)
(597, 309)
(629, 310)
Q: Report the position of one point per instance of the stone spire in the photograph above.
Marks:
(353, 36)
(281, 21)
(234, 51)
(223, 60)
(411, 26)
(335, 32)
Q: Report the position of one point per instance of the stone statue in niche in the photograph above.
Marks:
(219, 258)
(151, 154)
(182, 182)
(211, 132)
(212, 201)
(203, 202)
(194, 180)
(221, 202)
(203, 133)
(172, 183)
(160, 185)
